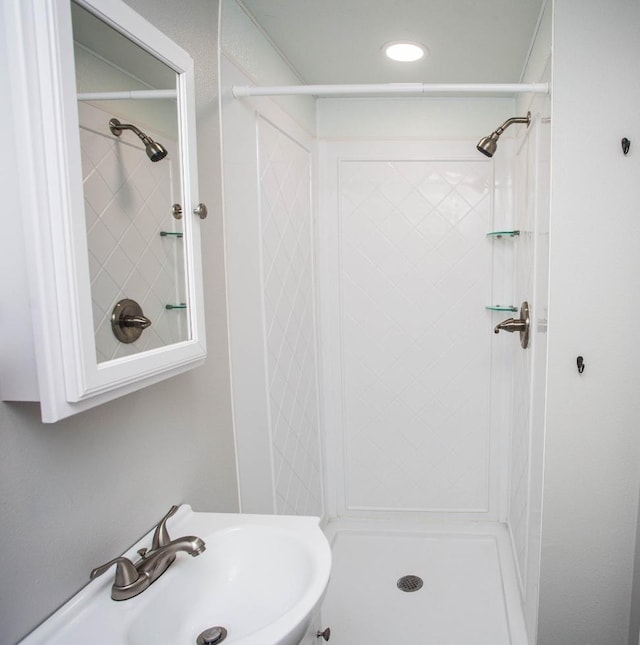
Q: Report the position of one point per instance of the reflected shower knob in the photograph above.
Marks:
(127, 321)
(201, 210)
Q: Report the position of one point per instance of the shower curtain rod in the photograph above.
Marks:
(240, 91)
(127, 95)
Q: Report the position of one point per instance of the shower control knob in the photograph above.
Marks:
(521, 325)
(326, 634)
(127, 321)
(201, 211)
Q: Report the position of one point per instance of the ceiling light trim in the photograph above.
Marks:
(405, 51)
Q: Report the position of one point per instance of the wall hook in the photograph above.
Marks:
(580, 364)
(626, 144)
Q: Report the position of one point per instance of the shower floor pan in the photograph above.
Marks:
(469, 593)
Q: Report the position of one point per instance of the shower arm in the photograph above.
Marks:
(117, 130)
(511, 121)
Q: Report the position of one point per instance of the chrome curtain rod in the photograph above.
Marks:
(128, 95)
(240, 91)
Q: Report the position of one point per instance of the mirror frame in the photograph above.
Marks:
(46, 114)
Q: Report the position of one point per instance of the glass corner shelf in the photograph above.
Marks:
(501, 308)
(182, 305)
(170, 234)
(503, 234)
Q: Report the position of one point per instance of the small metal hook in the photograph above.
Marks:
(580, 364)
(626, 144)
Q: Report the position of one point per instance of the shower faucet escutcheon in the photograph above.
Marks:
(517, 324)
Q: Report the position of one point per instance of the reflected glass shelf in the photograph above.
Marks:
(503, 233)
(182, 305)
(501, 308)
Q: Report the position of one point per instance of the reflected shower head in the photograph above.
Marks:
(488, 145)
(155, 151)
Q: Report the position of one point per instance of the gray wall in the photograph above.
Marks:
(76, 493)
(592, 453)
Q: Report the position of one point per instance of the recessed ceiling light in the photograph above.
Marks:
(405, 52)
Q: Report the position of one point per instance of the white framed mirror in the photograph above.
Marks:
(100, 93)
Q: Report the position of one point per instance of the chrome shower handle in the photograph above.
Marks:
(141, 322)
(128, 321)
(517, 324)
(511, 325)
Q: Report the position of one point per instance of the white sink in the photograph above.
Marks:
(261, 578)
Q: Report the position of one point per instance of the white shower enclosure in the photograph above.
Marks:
(406, 275)
(363, 286)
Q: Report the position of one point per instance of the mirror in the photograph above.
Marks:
(97, 216)
(131, 179)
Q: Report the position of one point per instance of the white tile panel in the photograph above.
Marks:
(415, 277)
(287, 268)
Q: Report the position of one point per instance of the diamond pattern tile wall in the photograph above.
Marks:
(127, 203)
(287, 261)
(415, 277)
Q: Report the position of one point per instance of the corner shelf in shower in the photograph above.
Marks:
(499, 234)
(501, 308)
(171, 234)
(182, 305)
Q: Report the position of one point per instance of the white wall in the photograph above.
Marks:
(77, 493)
(592, 458)
(268, 162)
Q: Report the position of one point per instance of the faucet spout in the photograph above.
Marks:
(157, 561)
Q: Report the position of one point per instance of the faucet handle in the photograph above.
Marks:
(126, 573)
(161, 535)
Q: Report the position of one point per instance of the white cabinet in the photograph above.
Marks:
(95, 219)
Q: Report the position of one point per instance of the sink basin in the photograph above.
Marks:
(262, 578)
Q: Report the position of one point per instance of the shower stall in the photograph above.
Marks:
(371, 252)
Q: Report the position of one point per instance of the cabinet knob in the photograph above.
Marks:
(201, 210)
(326, 634)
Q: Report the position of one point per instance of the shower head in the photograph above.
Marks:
(488, 145)
(155, 151)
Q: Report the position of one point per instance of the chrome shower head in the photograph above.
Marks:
(488, 145)
(155, 151)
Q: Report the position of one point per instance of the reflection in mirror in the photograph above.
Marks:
(135, 237)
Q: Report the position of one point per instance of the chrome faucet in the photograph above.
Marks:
(133, 578)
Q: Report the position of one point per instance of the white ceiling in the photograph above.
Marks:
(339, 41)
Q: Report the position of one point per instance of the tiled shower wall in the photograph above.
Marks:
(409, 338)
(269, 222)
(416, 272)
(289, 320)
(128, 202)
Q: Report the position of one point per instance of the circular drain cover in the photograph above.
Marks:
(212, 636)
(410, 583)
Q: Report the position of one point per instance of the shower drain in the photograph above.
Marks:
(410, 583)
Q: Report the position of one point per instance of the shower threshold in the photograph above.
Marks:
(469, 592)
